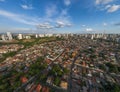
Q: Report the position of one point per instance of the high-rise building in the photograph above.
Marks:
(41, 35)
(4, 37)
(36, 36)
(92, 36)
(28, 37)
(9, 36)
(20, 36)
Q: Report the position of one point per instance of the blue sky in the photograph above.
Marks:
(60, 16)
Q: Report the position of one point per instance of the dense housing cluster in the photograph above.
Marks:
(69, 62)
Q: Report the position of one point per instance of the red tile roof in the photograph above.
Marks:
(38, 88)
(24, 79)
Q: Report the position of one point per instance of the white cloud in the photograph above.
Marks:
(64, 20)
(67, 2)
(2, 0)
(54, 18)
(89, 29)
(19, 18)
(113, 8)
(51, 10)
(44, 26)
(104, 24)
(64, 12)
(27, 4)
(59, 18)
(107, 6)
(61, 23)
(97, 2)
(83, 25)
(27, 7)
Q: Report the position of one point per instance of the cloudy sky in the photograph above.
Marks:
(60, 16)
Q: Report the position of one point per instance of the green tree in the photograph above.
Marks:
(57, 81)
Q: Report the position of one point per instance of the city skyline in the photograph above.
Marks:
(60, 16)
